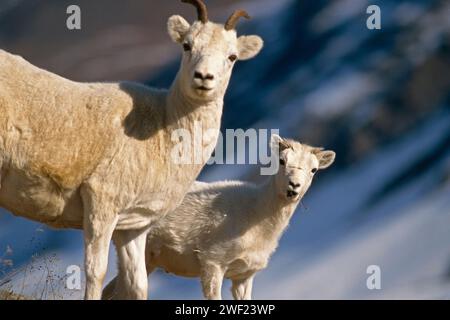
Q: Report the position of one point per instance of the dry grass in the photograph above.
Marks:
(9, 295)
(43, 277)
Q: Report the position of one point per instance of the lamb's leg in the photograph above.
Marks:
(110, 290)
(212, 278)
(242, 289)
(132, 280)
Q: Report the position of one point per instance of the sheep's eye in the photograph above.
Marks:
(314, 170)
(187, 47)
(233, 58)
(282, 162)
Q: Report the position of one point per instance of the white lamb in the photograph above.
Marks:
(230, 229)
(98, 156)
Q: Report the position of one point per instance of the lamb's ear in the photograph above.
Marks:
(278, 143)
(326, 158)
(178, 27)
(249, 46)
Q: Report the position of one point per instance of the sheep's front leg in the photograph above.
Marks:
(97, 237)
(99, 222)
(212, 278)
(109, 293)
(132, 280)
(242, 289)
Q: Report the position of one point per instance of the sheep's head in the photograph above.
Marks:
(298, 166)
(210, 51)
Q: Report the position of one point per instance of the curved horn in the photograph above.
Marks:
(202, 11)
(234, 18)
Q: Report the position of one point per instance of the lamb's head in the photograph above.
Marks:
(210, 51)
(298, 165)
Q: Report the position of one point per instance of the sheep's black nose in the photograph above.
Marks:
(201, 76)
(294, 185)
(291, 194)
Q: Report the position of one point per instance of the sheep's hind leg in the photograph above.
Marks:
(132, 280)
(242, 289)
(212, 278)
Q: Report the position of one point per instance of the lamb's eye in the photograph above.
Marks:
(282, 162)
(314, 170)
(233, 58)
(187, 47)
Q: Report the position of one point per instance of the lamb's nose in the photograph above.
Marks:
(294, 185)
(201, 76)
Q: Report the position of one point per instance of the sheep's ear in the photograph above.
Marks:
(326, 158)
(178, 27)
(249, 46)
(278, 143)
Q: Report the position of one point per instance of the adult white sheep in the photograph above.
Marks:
(230, 229)
(97, 155)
